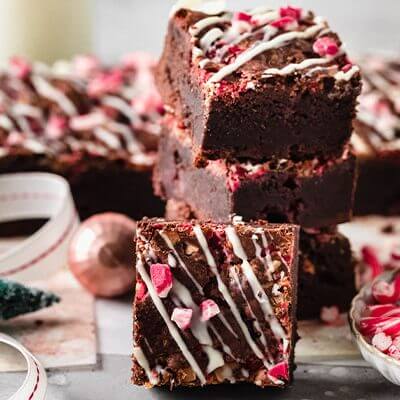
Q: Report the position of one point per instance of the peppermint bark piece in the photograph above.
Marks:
(261, 84)
(224, 311)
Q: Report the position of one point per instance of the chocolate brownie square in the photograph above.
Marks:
(311, 193)
(377, 138)
(260, 84)
(214, 303)
(326, 266)
(95, 125)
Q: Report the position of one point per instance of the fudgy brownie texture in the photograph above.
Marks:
(97, 126)
(326, 275)
(310, 193)
(259, 85)
(214, 303)
(377, 138)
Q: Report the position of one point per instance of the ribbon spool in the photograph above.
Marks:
(37, 195)
(35, 383)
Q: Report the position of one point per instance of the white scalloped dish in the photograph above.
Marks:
(388, 366)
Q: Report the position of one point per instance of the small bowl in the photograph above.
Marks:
(386, 365)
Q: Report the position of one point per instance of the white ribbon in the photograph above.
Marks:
(35, 383)
(37, 195)
(29, 196)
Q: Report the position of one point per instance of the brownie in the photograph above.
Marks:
(97, 126)
(311, 193)
(214, 303)
(326, 272)
(259, 85)
(377, 138)
(326, 266)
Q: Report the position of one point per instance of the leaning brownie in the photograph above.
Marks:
(311, 193)
(97, 126)
(326, 266)
(261, 84)
(377, 138)
(214, 303)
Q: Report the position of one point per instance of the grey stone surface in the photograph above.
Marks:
(111, 381)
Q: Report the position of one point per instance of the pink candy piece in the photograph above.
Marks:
(385, 292)
(56, 127)
(209, 308)
(325, 46)
(330, 315)
(147, 103)
(381, 341)
(86, 65)
(279, 371)
(20, 67)
(285, 23)
(371, 259)
(161, 277)
(294, 12)
(241, 16)
(182, 317)
(106, 82)
(140, 290)
(347, 67)
(15, 138)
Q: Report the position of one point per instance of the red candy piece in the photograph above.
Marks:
(161, 277)
(182, 317)
(241, 16)
(279, 371)
(20, 67)
(140, 290)
(294, 12)
(209, 308)
(370, 258)
(325, 46)
(285, 23)
(386, 293)
(381, 341)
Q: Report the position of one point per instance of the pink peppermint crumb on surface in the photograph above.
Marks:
(330, 315)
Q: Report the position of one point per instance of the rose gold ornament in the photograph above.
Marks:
(101, 254)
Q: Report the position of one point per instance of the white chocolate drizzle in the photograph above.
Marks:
(143, 362)
(181, 263)
(276, 42)
(258, 290)
(173, 330)
(199, 327)
(226, 295)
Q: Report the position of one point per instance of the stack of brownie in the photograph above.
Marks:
(259, 116)
(96, 125)
(376, 139)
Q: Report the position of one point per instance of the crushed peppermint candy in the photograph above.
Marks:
(380, 321)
